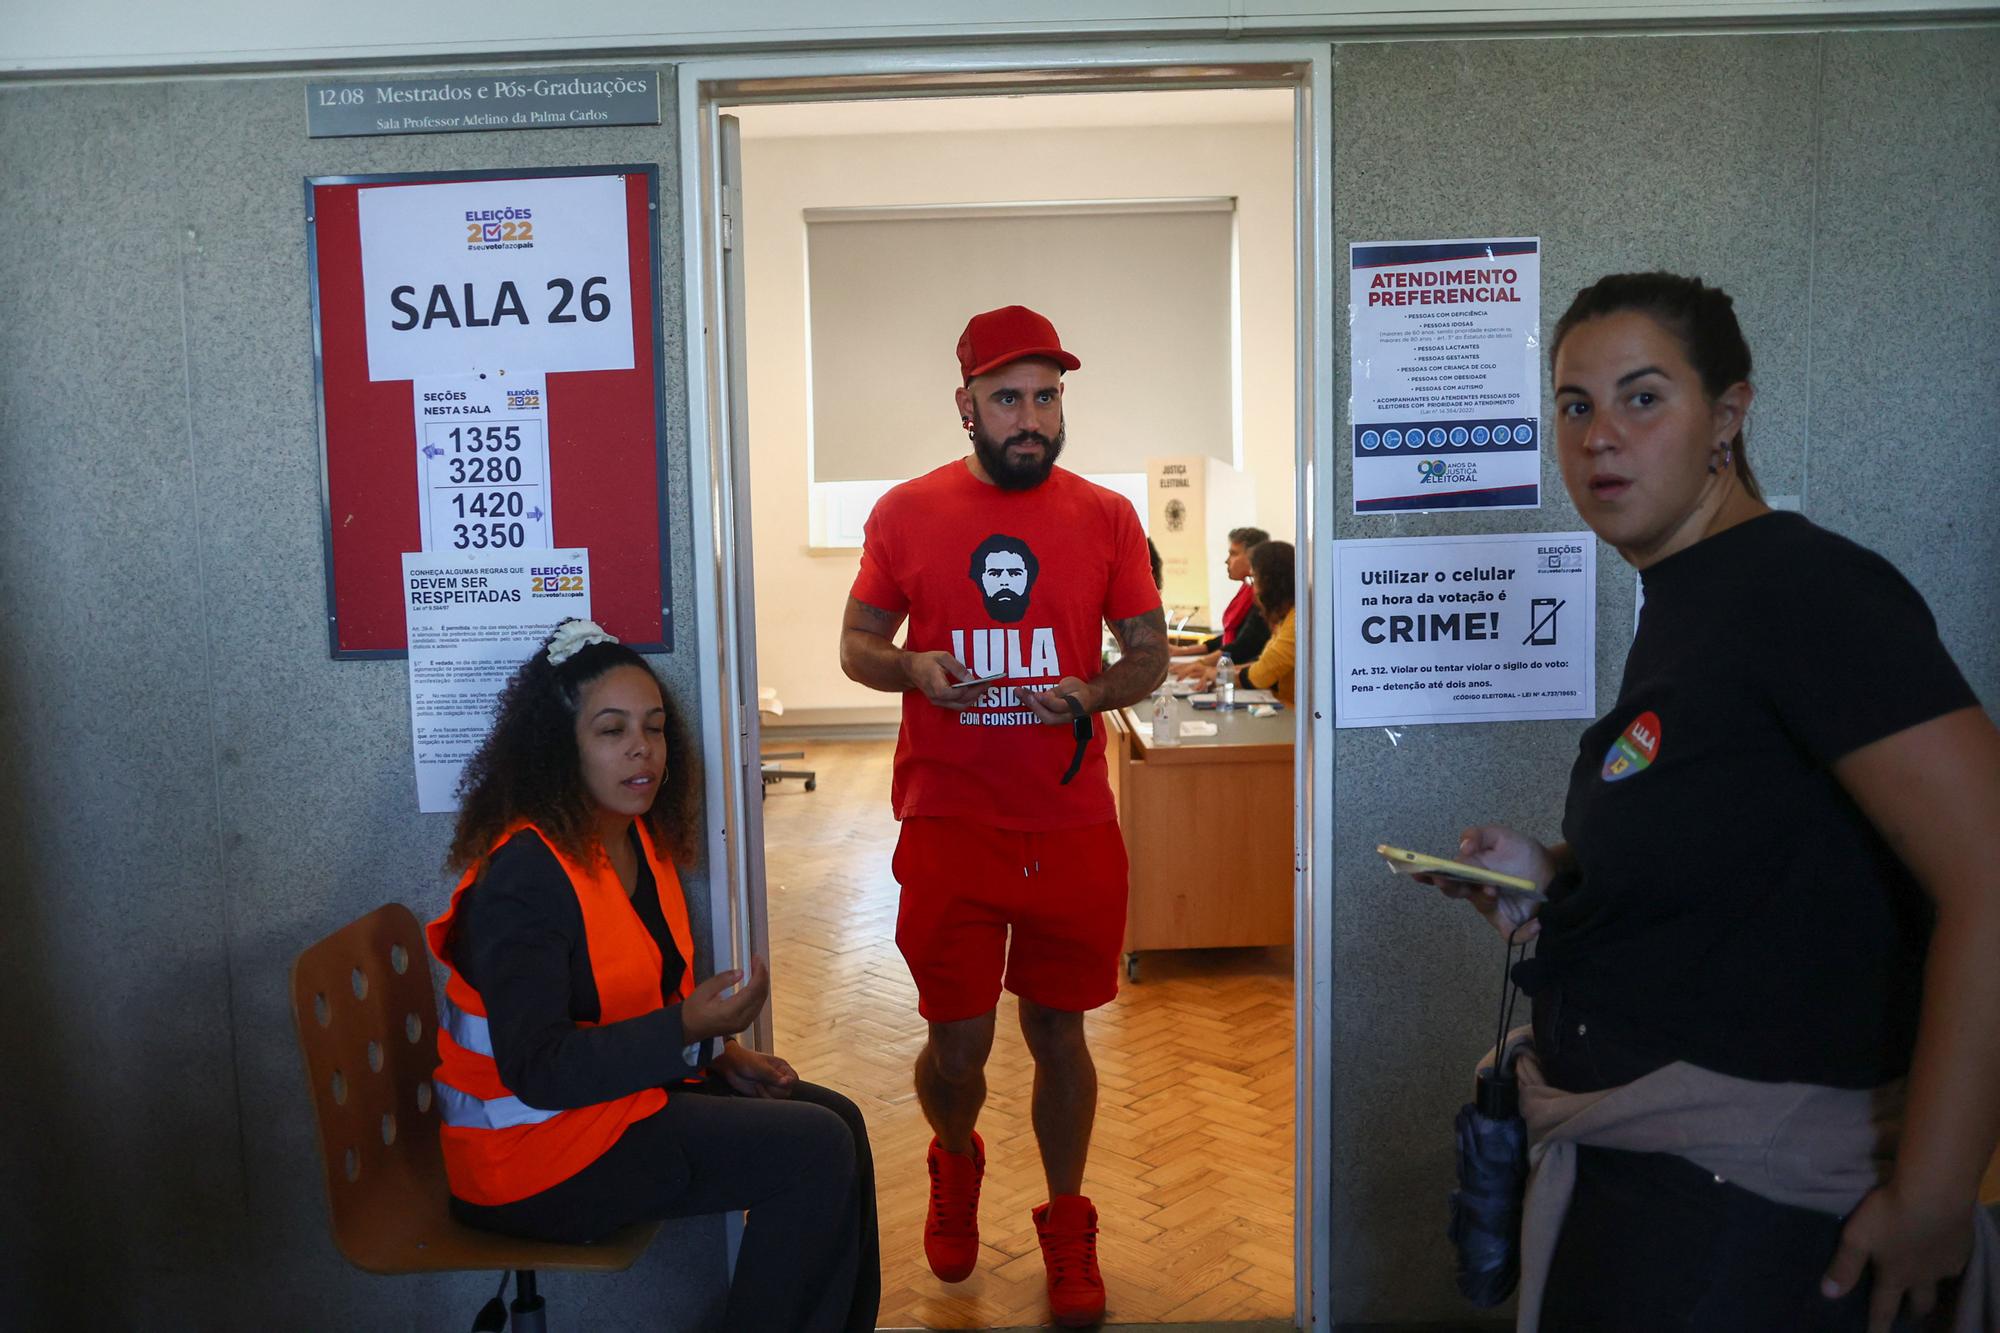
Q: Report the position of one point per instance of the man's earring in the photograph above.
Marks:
(966, 424)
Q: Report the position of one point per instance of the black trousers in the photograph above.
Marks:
(1653, 1243)
(810, 1258)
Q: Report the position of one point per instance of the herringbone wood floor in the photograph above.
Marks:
(1191, 1163)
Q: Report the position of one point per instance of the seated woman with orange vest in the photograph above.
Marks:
(585, 1081)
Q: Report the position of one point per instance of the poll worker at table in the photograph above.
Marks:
(1275, 669)
(1774, 908)
(1244, 629)
(585, 1080)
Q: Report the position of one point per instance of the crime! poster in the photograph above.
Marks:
(1446, 387)
(1498, 628)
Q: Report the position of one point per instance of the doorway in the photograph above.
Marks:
(719, 393)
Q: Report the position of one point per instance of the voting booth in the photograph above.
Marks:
(1192, 502)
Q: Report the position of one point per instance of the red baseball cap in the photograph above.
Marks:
(996, 337)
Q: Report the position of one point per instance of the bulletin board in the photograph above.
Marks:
(498, 295)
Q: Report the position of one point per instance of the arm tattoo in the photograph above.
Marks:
(1138, 635)
(868, 652)
(1143, 642)
(878, 615)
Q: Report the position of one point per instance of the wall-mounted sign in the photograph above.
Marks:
(1192, 501)
(473, 619)
(1446, 399)
(531, 101)
(490, 380)
(472, 276)
(1497, 628)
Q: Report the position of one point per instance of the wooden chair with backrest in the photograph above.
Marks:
(367, 1022)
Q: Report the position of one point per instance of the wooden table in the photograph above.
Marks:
(1208, 827)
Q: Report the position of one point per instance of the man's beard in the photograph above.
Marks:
(1023, 476)
(1006, 606)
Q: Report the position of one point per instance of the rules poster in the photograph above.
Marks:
(472, 620)
(1498, 628)
(1446, 380)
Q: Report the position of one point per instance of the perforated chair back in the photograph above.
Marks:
(367, 1022)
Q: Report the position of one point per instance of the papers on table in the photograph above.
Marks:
(1244, 698)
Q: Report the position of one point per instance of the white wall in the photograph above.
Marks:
(800, 593)
(137, 35)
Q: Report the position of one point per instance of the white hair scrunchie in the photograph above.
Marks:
(572, 636)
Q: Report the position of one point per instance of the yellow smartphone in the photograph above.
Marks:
(1405, 862)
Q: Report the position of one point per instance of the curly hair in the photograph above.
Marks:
(528, 767)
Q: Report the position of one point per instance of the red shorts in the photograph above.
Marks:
(966, 885)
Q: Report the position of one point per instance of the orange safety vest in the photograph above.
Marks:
(497, 1148)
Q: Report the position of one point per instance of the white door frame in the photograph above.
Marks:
(718, 470)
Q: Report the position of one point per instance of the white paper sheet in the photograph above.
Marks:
(463, 276)
(473, 619)
(1447, 374)
(483, 461)
(1495, 628)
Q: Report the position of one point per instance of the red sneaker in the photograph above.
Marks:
(951, 1225)
(1067, 1225)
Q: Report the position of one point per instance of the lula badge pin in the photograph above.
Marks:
(1635, 751)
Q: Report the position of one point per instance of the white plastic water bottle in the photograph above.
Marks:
(1225, 682)
(1165, 732)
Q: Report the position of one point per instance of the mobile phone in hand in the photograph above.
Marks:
(1405, 862)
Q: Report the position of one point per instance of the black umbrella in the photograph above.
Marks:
(1492, 1172)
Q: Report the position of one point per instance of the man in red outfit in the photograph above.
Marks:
(1012, 867)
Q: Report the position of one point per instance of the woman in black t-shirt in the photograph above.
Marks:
(585, 1082)
(1776, 863)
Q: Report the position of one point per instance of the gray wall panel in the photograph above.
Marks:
(1906, 321)
(116, 1032)
(196, 791)
(318, 799)
(1692, 154)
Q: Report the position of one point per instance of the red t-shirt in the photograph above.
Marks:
(1013, 581)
